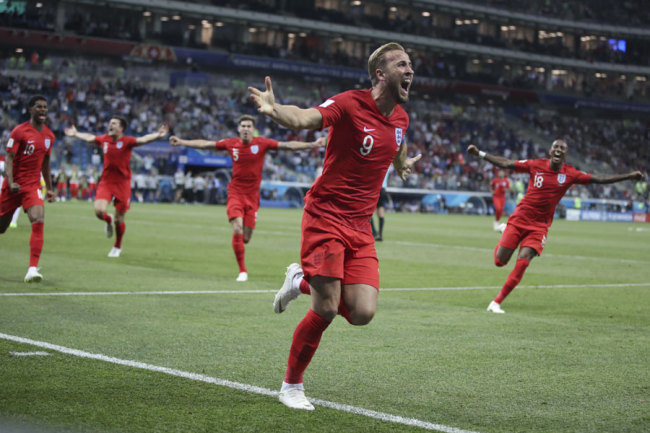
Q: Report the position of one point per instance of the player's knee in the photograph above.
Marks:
(360, 317)
(99, 213)
(498, 263)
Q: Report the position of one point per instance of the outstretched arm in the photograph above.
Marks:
(85, 136)
(162, 131)
(301, 145)
(289, 116)
(402, 164)
(196, 144)
(612, 178)
(499, 161)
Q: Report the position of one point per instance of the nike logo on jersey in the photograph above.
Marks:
(30, 141)
(365, 129)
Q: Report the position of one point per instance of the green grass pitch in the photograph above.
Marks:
(570, 355)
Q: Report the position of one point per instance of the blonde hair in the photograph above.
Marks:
(377, 59)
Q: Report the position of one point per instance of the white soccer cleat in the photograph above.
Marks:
(115, 252)
(243, 276)
(109, 229)
(502, 227)
(495, 308)
(288, 292)
(33, 276)
(295, 399)
(495, 225)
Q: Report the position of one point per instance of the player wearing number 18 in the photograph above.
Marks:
(528, 225)
(28, 155)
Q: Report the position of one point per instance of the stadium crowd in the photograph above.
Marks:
(87, 93)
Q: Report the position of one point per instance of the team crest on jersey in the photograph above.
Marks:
(119, 144)
(47, 143)
(254, 149)
(561, 178)
(398, 136)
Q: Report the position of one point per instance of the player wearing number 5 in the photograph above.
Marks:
(528, 225)
(338, 257)
(28, 155)
(247, 154)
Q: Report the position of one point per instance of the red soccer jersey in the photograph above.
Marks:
(247, 162)
(545, 189)
(117, 157)
(29, 147)
(499, 186)
(361, 145)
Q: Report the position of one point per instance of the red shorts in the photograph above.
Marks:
(27, 197)
(60, 186)
(330, 249)
(525, 236)
(243, 207)
(120, 191)
(499, 203)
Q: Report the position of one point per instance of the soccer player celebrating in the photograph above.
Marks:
(528, 225)
(115, 182)
(499, 186)
(244, 188)
(28, 155)
(339, 262)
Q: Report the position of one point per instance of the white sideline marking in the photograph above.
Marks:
(236, 385)
(405, 289)
(479, 249)
(30, 353)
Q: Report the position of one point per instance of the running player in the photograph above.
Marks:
(115, 182)
(528, 225)
(499, 186)
(247, 154)
(339, 262)
(28, 156)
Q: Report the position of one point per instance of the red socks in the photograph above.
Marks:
(239, 249)
(513, 279)
(305, 342)
(119, 232)
(106, 217)
(35, 243)
(304, 287)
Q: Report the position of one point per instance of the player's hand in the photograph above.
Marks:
(51, 196)
(321, 142)
(472, 150)
(174, 140)
(406, 169)
(164, 130)
(637, 175)
(14, 188)
(70, 131)
(264, 100)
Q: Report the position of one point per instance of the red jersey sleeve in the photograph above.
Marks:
(223, 144)
(268, 143)
(129, 141)
(523, 166)
(333, 109)
(14, 140)
(580, 176)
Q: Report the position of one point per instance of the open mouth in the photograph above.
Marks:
(405, 85)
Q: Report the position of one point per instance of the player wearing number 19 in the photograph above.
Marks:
(28, 155)
(338, 257)
(528, 225)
